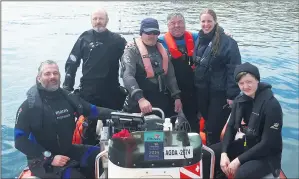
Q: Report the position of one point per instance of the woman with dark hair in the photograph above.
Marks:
(216, 56)
(257, 120)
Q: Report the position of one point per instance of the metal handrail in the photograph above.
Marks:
(97, 166)
(212, 167)
(161, 111)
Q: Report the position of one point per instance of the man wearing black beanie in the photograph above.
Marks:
(258, 115)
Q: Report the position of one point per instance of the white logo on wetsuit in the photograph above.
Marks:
(275, 126)
(17, 119)
(62, 114)
(73, 58)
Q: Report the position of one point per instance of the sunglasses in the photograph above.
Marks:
(152, 33)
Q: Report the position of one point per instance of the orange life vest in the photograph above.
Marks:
(147, 61)
(173, 48)
(78, 132)
(201, 131)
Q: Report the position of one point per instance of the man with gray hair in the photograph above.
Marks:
(180, 46)
(45, 124)
(100, 50)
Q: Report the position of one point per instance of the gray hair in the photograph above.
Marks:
(47, 62)
(100, 9)
(176, 14)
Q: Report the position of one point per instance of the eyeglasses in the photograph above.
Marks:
(152, 33)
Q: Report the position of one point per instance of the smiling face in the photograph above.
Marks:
(248, 84)
(207, 22)
(176, 26)
(49, 77)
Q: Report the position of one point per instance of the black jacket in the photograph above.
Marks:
(100, 53)
(219, 74)
(267, 124)
(45, 121)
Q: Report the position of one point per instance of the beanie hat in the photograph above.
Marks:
(149, 25)
(249, 68)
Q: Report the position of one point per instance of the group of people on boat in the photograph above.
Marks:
(198, 74)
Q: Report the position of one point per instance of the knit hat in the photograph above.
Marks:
(249, 68)
(149, 25)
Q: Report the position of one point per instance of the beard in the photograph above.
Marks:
(99, 29)
(51, 87)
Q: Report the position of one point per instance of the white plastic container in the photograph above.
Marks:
(105, 134)
(167, 125)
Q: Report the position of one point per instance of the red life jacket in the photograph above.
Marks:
(147, 61)
(173, 48)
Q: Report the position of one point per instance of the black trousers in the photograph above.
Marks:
(84, 155)
(251, 169)
(103, 96)
(213, 107)
(189, 103)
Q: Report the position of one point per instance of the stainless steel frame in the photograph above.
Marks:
(212, 167)
(103, 154)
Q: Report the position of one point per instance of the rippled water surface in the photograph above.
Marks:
(266, 31)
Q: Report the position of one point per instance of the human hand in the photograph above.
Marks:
(228, 34)
(229, 102)
(224, 163)
(60, 160)
(233, 166)
(145, 106)
(178, 105)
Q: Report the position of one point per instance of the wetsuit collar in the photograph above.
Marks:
(104, 33)
(48, 94)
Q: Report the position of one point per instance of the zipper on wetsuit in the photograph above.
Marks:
(245, 142)
(58, 140)
(57, 136)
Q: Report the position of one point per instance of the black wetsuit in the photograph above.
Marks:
(46, 122)
(262, 153)
(134, 77)
(99, 84)
(214, 80)
(100, 53)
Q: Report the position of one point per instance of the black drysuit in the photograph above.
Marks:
(99, 84)
(263, 123)
(46, 122)
(100, 53)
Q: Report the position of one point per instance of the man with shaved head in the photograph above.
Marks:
(100, 50)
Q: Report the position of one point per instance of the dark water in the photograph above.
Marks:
(266, 31)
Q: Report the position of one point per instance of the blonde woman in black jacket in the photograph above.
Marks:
(216, 56)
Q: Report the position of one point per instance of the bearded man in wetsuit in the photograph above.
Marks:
(44, 127)
(100, 50)
(148, 74)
